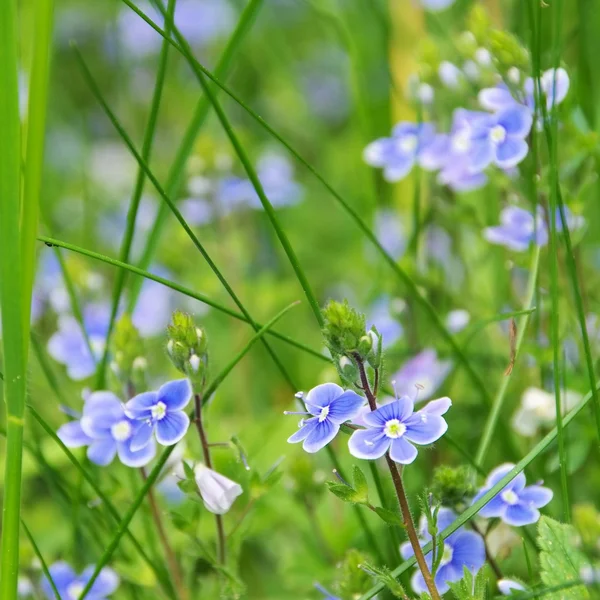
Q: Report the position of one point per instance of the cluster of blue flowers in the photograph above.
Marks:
(70, 585)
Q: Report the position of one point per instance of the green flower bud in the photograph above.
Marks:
(344, 328)
(187, 347)
(479, 24)
(347, 370)
(507, 51)
(452, 486)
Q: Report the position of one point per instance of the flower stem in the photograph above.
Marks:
(400, 492)
(164, 540)
(208, 462)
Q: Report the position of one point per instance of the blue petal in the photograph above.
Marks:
(140, 406)
(368, 443)
(517, 484)
(62, 575)
(445, 518)
(406, 550)
(72, 435)
(102, 452)
(141, 437)
(480, 155)
(302, 433)
(561, 87)
(494, 508)
(535, 495)
(516, 120)
(511, 152)
(519, 515)
(423, 428)
(496, 98)
(507, 586)
(345, 407)
(139, 458)
(100, 412)
(398, 168)
(377, 153)
(447, 574)
(418, 583)
(437, 407)
(321, 396)
(172, 427)
(503, 236)
(468, 550)
(176, 394)
(402, 451)
(320, 436)
(399, 409)
(106, 583)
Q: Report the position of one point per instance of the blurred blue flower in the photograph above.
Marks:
(457, 320)
(398, 154)
(330, 406)
(68, 345)
(461, 549)
(450, 75)
(276, 175)
(396, 427)
(389, 232)
(424, 372)
(436, 5)
(70, 585)
(161, 412)
(107, 431)
(154, 306)
(515, 504)
(387, 324)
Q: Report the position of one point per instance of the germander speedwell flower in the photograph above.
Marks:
(330, 406)
(396, 427)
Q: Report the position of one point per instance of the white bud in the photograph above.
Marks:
(483, 57)
(514, 75)
(170, 347)
(425, 93)
(450, 75)
(195, 362)
(140, 364)
(471, 70)
(217, 491)
(345, 362)
(374, 337)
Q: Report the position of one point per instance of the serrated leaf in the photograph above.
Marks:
(470, 587)
(361, 487)
(389, 516)
(560, 559)
(343, 492)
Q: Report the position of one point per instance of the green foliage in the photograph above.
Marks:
(187, 347)
(358, 493)
(561, 558)
(345, 330)
(384, 576)
(453, 486)
(471, 587)
(586, 520)
(351, 578)
(389, 516)
(128, 348)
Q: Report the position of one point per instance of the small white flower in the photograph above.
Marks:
(195, 362)
(140, 364)
(514, 75)
(483, 57)
(217, 491)
(471, 70)
(425, 93)
(450, 75)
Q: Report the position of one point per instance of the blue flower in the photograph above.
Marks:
(424, 372)
(436, 5)
(161, 412)
(461, 549)
(387, 324)
(154, 306)
(396, 427)
(331, 406)
(518, 229)
(390, 233)
(70, 585)
(276, 175)
(398, 154)
(68, 345)
(515, 504)
(107, 431)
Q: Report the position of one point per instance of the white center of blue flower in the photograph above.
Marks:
(509, 497)
(408, 143)
(121, 431)
(447, 555)
(497, 134)
(394, 429)
(159, 410)
(323, 414)
(75, 590)
(461, 141)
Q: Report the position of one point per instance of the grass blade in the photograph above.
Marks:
(42, 561)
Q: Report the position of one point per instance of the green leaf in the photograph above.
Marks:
(343, 492)
(384, 576)
(360, 484)
(560, 558)
(470, 587)
(389, 516)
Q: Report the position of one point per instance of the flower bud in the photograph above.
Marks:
(187, 346)
(217, 491)
(344, 328)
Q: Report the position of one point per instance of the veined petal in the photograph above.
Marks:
(481, 155)
(73, 436)
(139, 458)
(102, 452)
(423, 428)
(437, 407)
(345, 407)
(399, 409)
(494, 508)
(402, 451)
(172, 427)
(519, 515)
(176, 394)
(516, 120)
(517, 484)
(468, 550)
(511, 152)
(140, 406)
(448, 573)
(302, 433)
(141, 437)
(368, 443)
(536, 495)
(321, 396)
(320, 436)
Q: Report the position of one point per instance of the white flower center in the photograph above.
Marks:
(394, 429)
(159, 410)
(323, 414)
(461, 141)
(498, 134)
(75, 590)
(408, 143)
(447, 555)
(121, 431)
(509, 497)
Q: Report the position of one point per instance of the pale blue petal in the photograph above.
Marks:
(73, 436)
(511, 152)
(399, 409)
(423, 428)
(141, 437)
(418, 583)
(516, 120)
(106, 583)
(481, 155)
(100, 412)
(437, 407)
(494, 508)
(139, 458)
(536, 495)
(321, 396)
(468, 550)
(368, 444)
(519, 515)
(176, 394)
(447, 574)
(398, 168)
(320, 436)
(406, 550)
(495, 99)
(62, 575)
(561, 87)
(140, 406)
(302, 433)
(102, 452)
(507, 586)
(345, 407)
(402, 451)
(503, 236)
(518, 483)
(377, 153)
(172, 427)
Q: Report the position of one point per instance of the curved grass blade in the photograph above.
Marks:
(42, 561)
(472, 511)
(182, 290)
(142, 163)
(494, 416)
(401, 274)
(153, 475)
(136, 196)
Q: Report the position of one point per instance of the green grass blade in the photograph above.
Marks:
(183, 290)
(436, 320)
(153, 475)
(176, 172)
(472, 511)
(43, 563)
(494, 416)
(136, 196)
(15, 329)
(142, 163)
